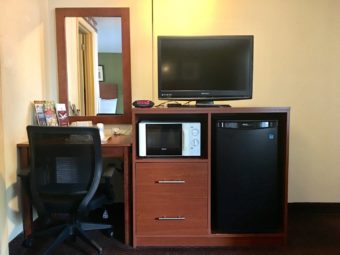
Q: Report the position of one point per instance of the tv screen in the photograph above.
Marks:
(205, 68)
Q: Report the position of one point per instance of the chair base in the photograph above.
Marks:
(68, 230)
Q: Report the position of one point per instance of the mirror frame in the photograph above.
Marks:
(123, 13)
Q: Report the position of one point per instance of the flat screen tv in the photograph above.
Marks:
(205, 68)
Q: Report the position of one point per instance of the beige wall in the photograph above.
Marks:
(22, 68)
(3, 207)
(296, 64)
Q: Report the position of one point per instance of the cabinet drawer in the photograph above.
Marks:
(171, 198)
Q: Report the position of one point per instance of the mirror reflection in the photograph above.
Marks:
(94, 65)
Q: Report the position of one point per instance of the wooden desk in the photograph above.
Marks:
(117, 146)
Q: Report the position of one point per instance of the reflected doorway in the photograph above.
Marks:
(86, 82)
(93, 42)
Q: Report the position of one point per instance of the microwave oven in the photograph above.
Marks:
(162, 139)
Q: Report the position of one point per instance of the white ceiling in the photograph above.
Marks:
(109, 31)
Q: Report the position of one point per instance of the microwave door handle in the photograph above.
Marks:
(185, 141)
(184, 135)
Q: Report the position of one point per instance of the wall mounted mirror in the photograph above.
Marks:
(94, 71)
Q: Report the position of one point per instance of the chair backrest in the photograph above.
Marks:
(65, 168)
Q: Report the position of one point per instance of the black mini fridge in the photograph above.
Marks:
(247, 182)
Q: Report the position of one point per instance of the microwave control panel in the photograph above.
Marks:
(191, 139)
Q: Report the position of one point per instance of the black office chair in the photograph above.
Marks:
(65, 173)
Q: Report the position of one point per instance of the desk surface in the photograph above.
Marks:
(114, 140)
(118, 140)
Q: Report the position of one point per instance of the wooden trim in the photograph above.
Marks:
(91, 21)
(211, 240)
(212, 110)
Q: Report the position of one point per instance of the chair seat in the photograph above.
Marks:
(66, 169)
(62, 190)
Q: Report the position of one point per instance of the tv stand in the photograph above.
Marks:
(209, 103)
(205, 103)
(174, 198)
(199, 104)
(212, 105)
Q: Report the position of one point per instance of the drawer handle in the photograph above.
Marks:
(171, 218)
(170, 181)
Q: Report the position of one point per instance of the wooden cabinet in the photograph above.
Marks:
(172, 196)
(171, 199)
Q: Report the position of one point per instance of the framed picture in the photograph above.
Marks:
(101, 73)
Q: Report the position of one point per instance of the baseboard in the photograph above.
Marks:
(314, 207)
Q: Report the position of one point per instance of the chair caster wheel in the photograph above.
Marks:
(28, 243)
(99, 251)
(109, 233)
